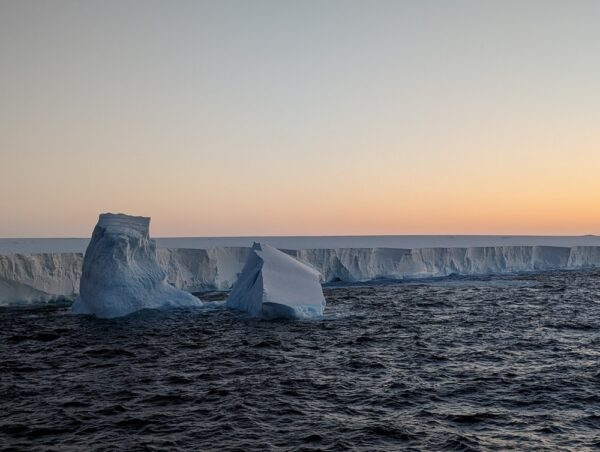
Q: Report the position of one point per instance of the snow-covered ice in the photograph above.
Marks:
(275, 285)
(121, 273)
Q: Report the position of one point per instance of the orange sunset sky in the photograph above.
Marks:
(301, 118)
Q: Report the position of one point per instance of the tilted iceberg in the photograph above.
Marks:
(275, 285)
(121, 273)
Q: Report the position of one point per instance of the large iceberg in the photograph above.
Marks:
(121, 273)
(366, 264)
(275, 285)
(43, 277)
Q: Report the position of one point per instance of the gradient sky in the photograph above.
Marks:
(300, 117)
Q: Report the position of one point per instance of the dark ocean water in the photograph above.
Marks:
(458, 364)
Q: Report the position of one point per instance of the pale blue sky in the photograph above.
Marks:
(281, 117)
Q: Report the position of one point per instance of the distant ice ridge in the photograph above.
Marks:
(121, 273)
(47, 276)
(275, 285)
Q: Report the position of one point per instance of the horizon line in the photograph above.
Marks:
(316, 236)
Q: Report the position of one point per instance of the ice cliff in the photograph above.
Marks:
(197, 270)
(39, 277)
(121, 273)
(364, 264)
(43, 277)
(273, 284)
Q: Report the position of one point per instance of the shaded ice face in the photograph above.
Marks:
(275, 285)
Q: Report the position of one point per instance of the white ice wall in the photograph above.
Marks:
(199, 270)
(41, 277)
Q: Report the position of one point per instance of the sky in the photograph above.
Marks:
(231, 118)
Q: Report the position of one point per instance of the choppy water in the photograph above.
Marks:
(460, 364)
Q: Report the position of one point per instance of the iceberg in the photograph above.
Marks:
(275, 285)
(121, 273)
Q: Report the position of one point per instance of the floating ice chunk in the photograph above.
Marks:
(275, 285)
(121, 274)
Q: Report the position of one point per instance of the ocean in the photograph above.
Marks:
(491, 363)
